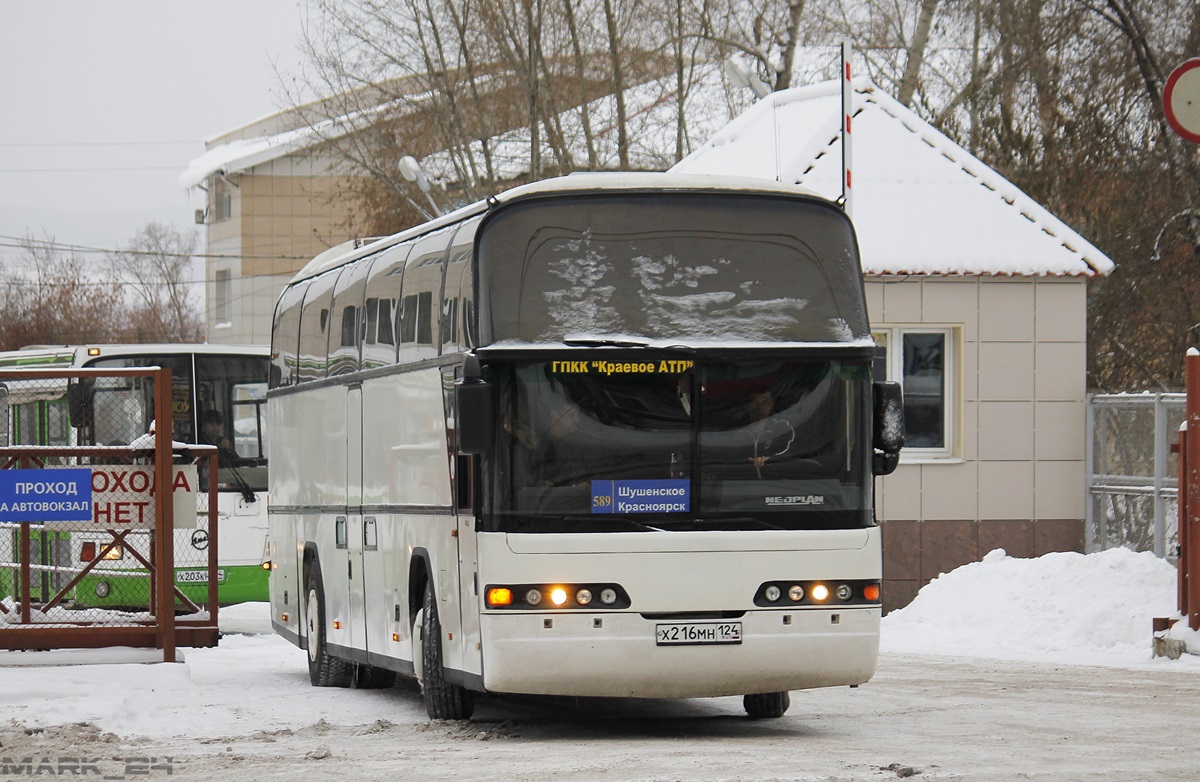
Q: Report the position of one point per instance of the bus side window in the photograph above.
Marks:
(383, 297)
(314, 327)
(285, 333)
(421, 303)
(344, 339)
(457, 299)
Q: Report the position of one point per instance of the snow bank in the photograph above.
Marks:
(1065, 607)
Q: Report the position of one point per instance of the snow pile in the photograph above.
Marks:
(1064, 607)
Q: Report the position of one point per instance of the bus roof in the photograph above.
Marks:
(577, 183)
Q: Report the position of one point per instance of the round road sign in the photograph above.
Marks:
(1181, 100)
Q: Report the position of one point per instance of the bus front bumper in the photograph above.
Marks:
(618, 654)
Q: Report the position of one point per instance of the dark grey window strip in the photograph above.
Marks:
(357, 378)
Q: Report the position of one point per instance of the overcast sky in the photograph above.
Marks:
(103, 104)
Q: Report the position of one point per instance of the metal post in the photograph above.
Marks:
(1180, 564)
(164, 524)
(1089, 471)
(1160, 468)
(1190, 565)
(847, 146)
(26, 576)
(211, 488)
(1103, 467)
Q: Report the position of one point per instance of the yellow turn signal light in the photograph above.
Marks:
(871, 592)
(499, 596)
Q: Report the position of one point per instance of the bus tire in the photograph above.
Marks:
(324, 670)
(368, 677)
(443, 700)
(766, 705)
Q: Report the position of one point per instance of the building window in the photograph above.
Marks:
(922, 360)
(222, 205)
(222, 297)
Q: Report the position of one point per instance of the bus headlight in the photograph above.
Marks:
(813, 594)
(553, 596)
(102, 589)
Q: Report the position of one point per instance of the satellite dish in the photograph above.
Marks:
(1181, 100)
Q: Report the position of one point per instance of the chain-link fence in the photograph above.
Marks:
(1132, 473)
(94, 507)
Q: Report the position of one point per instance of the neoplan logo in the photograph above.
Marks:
(800, 499)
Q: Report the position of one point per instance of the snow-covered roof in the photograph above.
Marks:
(239, 155)
(921, 203)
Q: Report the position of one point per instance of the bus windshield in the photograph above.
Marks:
(216, 400)
(716, 269)
(680, 444)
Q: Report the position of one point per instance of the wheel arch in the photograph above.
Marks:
(420, 570)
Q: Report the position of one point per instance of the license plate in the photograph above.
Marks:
(197, 577)
(692, 633)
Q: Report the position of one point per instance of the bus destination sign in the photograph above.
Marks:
(668, 495)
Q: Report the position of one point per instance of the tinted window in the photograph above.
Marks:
(701, 267)
(349, 318)
(457, 300)
(382, 304)
(704, 445)
(314, 327)
(285, 336)
(422, 293)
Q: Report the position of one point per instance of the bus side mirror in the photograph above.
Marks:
(79, 398)
(474, 425)
(888, 436)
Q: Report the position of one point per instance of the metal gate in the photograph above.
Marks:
(94, 499)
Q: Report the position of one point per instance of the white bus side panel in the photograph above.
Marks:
(407, 467)
(314, 477)
(617, 656)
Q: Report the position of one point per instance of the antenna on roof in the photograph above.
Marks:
(847, 147)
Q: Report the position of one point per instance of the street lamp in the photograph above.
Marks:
(411, 170)
(742, 76)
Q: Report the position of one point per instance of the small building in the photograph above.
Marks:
(978, 296)
(271, 206)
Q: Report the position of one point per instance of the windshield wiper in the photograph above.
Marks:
(601, 342)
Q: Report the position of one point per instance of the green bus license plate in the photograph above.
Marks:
(692, 633)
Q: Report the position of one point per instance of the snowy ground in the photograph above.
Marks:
(1004, 669)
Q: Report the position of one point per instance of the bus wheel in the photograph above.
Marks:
(368, 677)
(324, 670)
(767, 705)
(443, 700)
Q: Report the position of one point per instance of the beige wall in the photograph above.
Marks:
(1016, 475)
(283, 213)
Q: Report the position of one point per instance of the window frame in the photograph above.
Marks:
(951, 388)
(223, 297)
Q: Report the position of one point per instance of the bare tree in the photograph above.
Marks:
(159, 265)
(48, 297)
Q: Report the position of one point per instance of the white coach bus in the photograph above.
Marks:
(602, 435)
